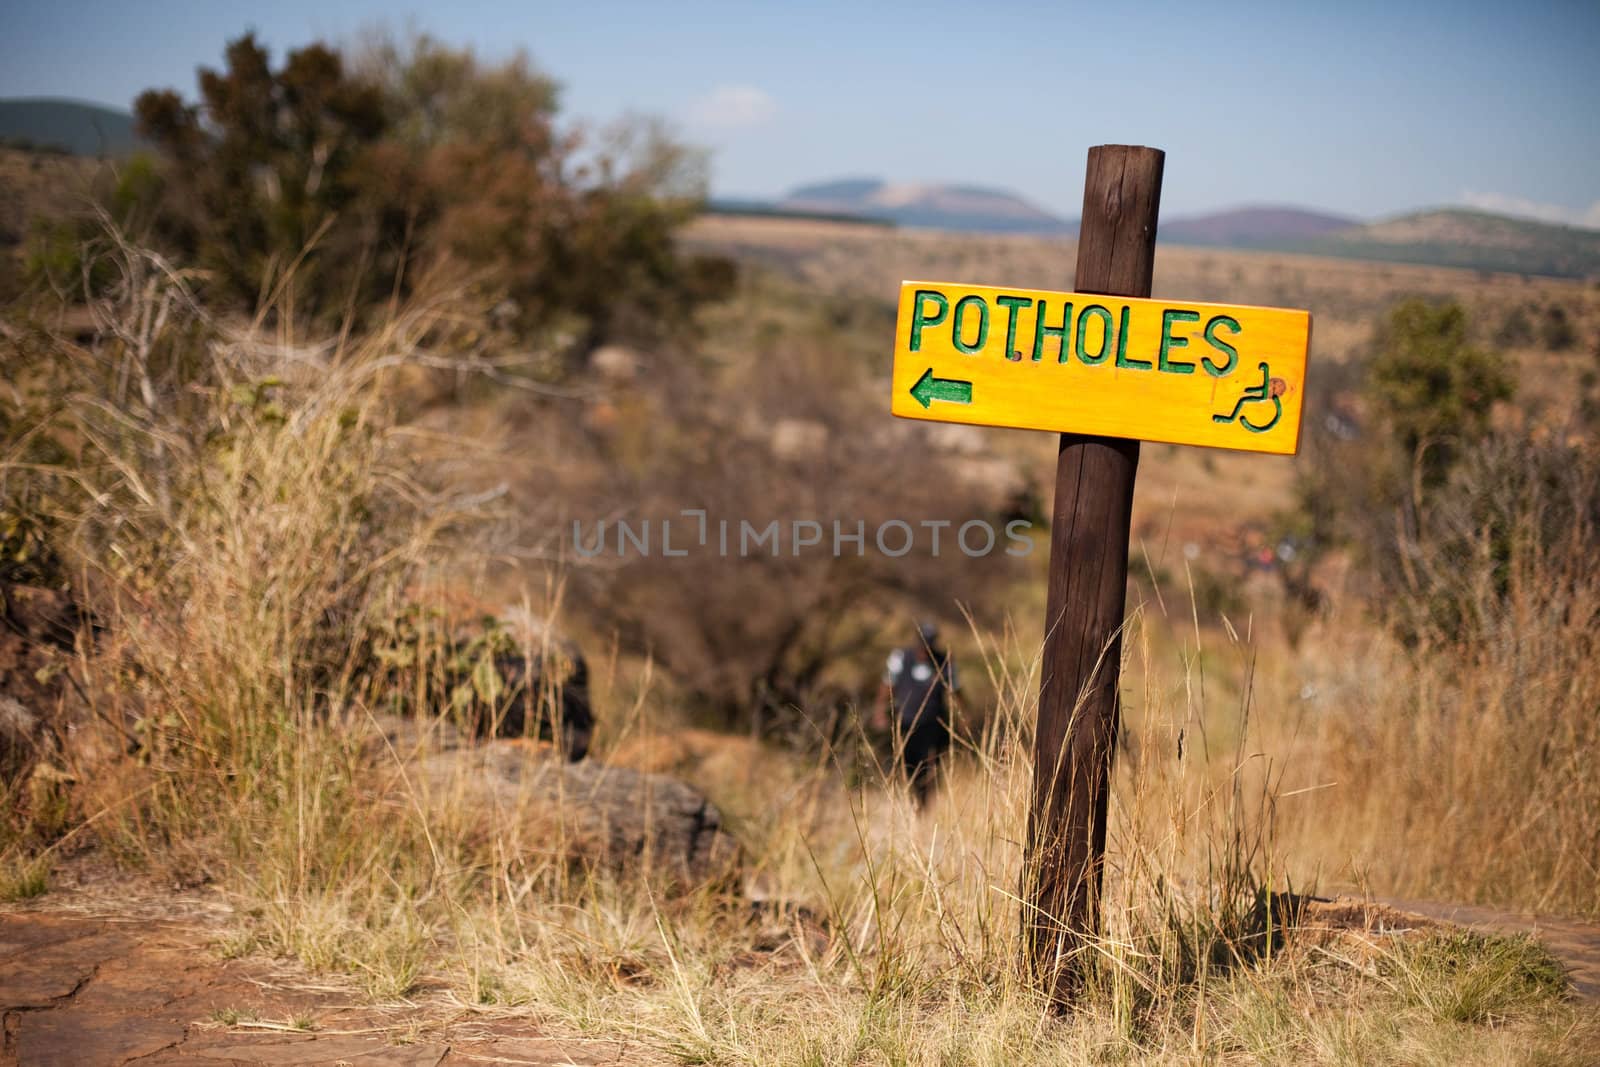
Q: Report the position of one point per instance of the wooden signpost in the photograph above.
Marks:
(1107, 368)
(1156, 370)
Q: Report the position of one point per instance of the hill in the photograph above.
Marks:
(772, 209)
(1253, 227)
(1474, 240)
(72, 126)
(967, 208)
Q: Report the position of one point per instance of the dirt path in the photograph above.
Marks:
(91, 986)
(1575, 942)
(85, 990)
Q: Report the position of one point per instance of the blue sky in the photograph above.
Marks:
(1368, 109)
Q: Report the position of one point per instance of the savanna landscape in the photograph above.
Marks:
(340, 722)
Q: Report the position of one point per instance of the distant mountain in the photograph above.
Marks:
(724, 205)
(1474, 240)
(968, 208)
(1252, 227)
(1444, 238)
(67, 125)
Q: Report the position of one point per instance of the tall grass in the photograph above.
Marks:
(250, 514)
(1465, 765)
(244, 514)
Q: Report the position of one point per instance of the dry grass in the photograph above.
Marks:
(243, 572)
(1464, 767)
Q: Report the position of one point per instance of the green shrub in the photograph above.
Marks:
(1467, 977)
(1430, 390)
(1510, 505)
(1391, 487)
(333, 187)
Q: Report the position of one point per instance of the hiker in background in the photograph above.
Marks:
(919, 683)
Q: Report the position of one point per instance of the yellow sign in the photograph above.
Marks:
(1219, 375)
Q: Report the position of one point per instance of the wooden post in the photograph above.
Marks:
(1078, 701)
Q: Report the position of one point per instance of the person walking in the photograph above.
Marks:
(919, 683)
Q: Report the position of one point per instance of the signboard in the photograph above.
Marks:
(1218, 375)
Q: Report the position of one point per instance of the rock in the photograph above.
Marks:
(77, 990)
(43, 616)
(798, 438)
(705, 755)
(957, 438)
(615, 363)
(611, 817)
(995, 480)
(38, 631)
(614, 817)
(405, 738)
(21, 733)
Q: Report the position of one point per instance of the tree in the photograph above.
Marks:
(367, 179)
(263, 168)
(1429, 398)
(1432, 391)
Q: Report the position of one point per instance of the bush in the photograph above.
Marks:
(1556, 331)
(1430, 391)
(331, 189)
(1428, 398)
(1516, 329)
(210, 472)
(1510, 503)
(766, 633)
(1474, 747)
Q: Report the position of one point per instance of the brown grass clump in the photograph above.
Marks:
(1465, 759)
(248, 516)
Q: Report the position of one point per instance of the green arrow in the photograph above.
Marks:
(928, 389)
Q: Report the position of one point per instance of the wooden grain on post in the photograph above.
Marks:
(1108, 367)
(1078, 700)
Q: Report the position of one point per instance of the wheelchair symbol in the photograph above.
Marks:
(1269, 391)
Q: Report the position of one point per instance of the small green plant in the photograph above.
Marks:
(237, 944)
(1432, 390)
(1468, 977)
(23, 877)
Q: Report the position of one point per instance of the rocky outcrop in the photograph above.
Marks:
(38, 628)
(21, 737)
(523, 793)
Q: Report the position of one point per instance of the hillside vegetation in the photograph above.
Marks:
(1471, 240)
(305, 414)
(68, 126)
(945, 207)
(1252, 227)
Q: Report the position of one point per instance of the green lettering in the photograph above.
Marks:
(919, 320)
(1123, 359)
(1012, 304)
(1041, 331)
(1104, 315)
(1169, 342)
(1214, 369)
(983, 324)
